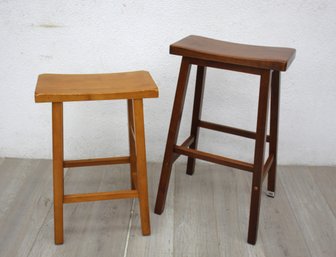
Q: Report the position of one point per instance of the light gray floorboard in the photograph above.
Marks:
(278, 228)
(206, 214)
(232, 202)
(315, 218)
(195, 226)
(25, 200)
(94, 228)
(325, 178)
(160, 242)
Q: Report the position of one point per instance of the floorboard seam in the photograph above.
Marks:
(129, 229)
(216, 218)
(45, 218)
(40, 229)
(319, 189)
(294, 214)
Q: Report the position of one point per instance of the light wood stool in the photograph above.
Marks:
(266, 62)
(133, 86)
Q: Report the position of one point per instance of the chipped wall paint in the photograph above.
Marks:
(111, 36)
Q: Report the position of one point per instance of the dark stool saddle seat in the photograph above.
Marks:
(263, 61)
(264, 57)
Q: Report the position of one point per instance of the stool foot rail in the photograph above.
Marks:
(101, 196)
(229, 130)
(96, 162)
(213, 158)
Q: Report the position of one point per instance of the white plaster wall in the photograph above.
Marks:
(110, 36)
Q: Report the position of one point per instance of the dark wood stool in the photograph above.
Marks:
(267, 62)
(131, 86)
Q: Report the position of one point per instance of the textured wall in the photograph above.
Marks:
(109, 36)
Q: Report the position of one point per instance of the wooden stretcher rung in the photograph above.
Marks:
(96, 162)
(213, 158)
(267, 166)
(229, 130)
(132, 133)
(90, 197)
(186, 143)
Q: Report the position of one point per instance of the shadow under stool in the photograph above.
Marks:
(266, 62)
(131, 86)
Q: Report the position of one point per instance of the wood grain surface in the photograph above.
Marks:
(85, 87)
(206, 214)
(265, 57)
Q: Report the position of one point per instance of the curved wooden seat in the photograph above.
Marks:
(274, 58)
(265, 62)
(131, 86)
(84, 87)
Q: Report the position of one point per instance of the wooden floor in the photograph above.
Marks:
(206, 214)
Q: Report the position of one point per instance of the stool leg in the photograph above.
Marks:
(197, 111)
(259, 157)
(172, 135)
(274, 118)
(131, 137)
(141, 166)
(58, 175)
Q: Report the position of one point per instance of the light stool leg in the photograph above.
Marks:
(197, 111)
(259, 157)
(174, 128)
(141, 166)
(131, 136)
(58, 175)
(274, 119)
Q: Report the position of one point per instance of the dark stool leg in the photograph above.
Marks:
(197, 111)
(131, 135)
(273, 147)
(141, 182)
(58, 175)
(259, 157)
(172, 135)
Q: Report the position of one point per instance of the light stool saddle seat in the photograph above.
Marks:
(131, 86)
